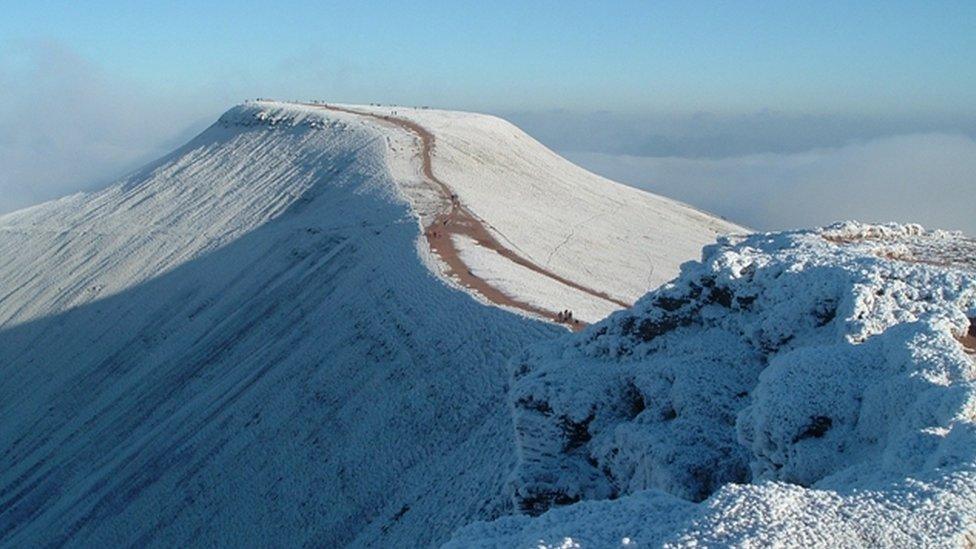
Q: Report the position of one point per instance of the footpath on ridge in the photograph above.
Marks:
(457, 219)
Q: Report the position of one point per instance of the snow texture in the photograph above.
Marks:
(535, 288)
(809, 388)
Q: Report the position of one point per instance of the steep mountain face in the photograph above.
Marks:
(809, 388)
(251, 342)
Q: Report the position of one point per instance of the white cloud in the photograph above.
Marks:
(924, 178)
(66, 126)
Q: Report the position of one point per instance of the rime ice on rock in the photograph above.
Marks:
(805, 387)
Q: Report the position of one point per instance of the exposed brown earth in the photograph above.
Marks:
(969, 339)
(958, 253)
(456, 219)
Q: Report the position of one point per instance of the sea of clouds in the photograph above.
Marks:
(920, 178)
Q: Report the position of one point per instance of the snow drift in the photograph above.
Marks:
(812, 387)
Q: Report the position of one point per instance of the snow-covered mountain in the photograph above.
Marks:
(260, 339)
(337, 325)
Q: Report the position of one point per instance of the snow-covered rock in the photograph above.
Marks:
(812, 387)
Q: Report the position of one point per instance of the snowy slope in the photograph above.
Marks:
(588, 229)
(815, 388)
(241, 344)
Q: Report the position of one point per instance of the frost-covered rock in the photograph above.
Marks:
(806, 387)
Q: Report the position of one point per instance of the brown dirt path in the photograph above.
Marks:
(456, 219)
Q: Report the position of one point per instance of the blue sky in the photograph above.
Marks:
(887, 57)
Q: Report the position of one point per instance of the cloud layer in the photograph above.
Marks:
(715, 135)
(924, 178)
(66, 126)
